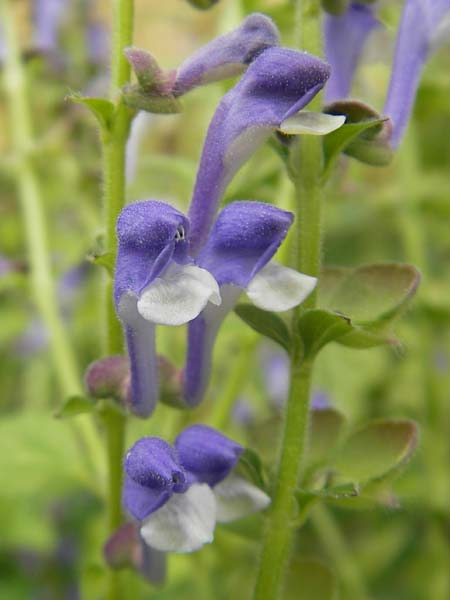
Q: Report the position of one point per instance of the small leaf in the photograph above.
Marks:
(309, 579)
(337, 141)
(372, 297)
(318, 327)
(75, 405)
(378, 451)
(266, 323)
(365, 135)
(105, 260)
(153, 102)
(306, 498)
(345, 490)
(325, 430)
(251, 468)
(102, 109)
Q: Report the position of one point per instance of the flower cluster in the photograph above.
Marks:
(173, 270)
(178, 493)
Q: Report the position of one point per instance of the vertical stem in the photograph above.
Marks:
(30, 197)
(114, 156)
(278, 537)
(307, 166)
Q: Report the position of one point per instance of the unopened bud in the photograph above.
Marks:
(109, 378)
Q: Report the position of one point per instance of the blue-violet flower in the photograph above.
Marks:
(178, 493)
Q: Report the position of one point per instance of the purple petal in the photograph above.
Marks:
(227, 55)
(207, 454)
(153, 463)
(150, 234)
(48, 16)
(345, 36)
(140, 501)
(276, 85)
(202, 334)
(153, 564)
(416, 38)
(144, 385)
(243, 239)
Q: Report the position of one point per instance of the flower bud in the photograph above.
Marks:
(109, 377)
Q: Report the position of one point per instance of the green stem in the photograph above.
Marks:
(114, 161)
(279, 533)
(30, 197)
(306, 168)
(336, 547)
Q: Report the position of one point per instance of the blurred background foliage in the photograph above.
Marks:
(51, 516)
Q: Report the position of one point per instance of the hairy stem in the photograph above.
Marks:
(306, 165)
(114, 162)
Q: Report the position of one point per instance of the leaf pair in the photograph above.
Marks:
(358, 308)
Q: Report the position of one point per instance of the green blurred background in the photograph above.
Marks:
(51, 513)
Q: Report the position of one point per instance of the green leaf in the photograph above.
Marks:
(338, 141)
(266, 323)
(152, 102)
(372, 297)
(377, 451)
(310, 579)
(105, 260)
(325, 430)
(318, 327)
(75, 405)
(366, 139)
(102, 109)
(250, 467)
(345, 490)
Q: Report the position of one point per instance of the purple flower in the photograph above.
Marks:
(179, 492)
(238, 254)
(277, 84)
(48, 16)
(156, 282)
(228, 55)
(224, 57)
(345, 36)
(425, 25)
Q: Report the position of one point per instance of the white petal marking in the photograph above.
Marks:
(185, 523)
(178, 295)
(279, 288)
(236, 497)
(311, 123)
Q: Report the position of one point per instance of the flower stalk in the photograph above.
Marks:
(306, 168)
(114, 149)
